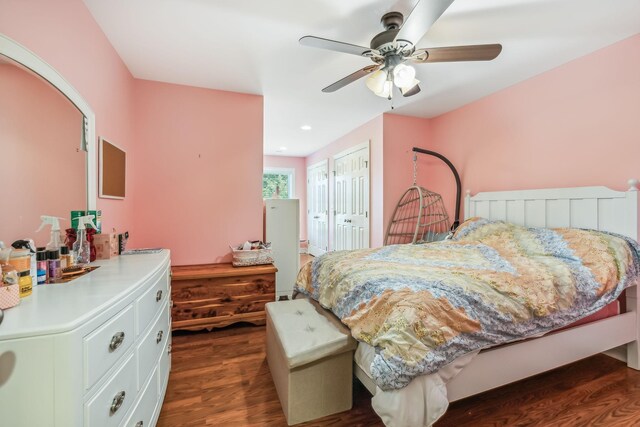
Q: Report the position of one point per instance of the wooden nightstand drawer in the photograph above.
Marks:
(217, 295)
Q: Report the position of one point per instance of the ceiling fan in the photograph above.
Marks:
(395, 46)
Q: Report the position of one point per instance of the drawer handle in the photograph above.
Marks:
(116, 341)
(139, 424)
(159, 295)
(159, 337)
(117, 402)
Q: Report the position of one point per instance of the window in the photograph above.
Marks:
(281, 179)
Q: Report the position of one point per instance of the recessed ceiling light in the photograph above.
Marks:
(305, 127)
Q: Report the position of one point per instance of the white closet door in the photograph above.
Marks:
(318, 207)
(352, 199)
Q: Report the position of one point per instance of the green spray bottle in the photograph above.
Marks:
(81, 248)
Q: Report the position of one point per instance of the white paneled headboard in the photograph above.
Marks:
(599, 208)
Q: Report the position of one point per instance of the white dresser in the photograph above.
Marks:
(93, 352)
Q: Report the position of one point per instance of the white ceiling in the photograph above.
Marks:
(252, 46)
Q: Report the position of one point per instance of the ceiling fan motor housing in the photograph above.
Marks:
(385, 42)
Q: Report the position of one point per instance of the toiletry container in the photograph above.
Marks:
(20, 259)
(55, 272)
(65, 257)
(42, 267)
(25, 283)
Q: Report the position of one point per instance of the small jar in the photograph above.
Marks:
(8, 274)
(25, 283)
(20, 259)
(55, 272)
(42, 267)
(65, 257)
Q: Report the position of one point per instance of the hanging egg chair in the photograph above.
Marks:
(420, 216)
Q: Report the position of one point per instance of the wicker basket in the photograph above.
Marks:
(243, 258)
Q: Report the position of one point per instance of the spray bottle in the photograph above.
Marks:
(54, 222)
(81, 248)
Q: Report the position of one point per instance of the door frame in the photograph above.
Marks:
(346, 152)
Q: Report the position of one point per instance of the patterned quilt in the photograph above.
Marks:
(422, 306)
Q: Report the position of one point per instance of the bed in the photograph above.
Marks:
(597, 208)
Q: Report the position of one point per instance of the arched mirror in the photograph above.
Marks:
(47, 145)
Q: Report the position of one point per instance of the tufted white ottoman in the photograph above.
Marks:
(311, 360)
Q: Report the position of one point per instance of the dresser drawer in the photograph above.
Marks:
(149, 303)
(104, 346)
(165, 366)
(110, 404)
(147, 405)
(152, 344)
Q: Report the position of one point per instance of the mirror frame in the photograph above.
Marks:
(24, 56)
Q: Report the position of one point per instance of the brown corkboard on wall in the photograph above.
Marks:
(113, 168)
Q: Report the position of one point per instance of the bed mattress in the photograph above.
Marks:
(425, 399)
(365, 353)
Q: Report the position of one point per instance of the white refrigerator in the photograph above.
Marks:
(282, 230)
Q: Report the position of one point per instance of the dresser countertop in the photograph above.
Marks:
(56, 308)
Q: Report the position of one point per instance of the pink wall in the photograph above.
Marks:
(40, 135)
(370, 131)
(576, 125)
(64, 34)
(169, 125)
(199, 174)
(298, 164)
(401, 134)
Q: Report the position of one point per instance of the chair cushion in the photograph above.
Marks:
(306, 335)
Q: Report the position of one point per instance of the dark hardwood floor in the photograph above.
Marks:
(221, 378)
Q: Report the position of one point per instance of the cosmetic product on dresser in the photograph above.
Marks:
(20, 259)
(29, 245)
(9, 275)
(25, 283)
(122, 241)
(55, 272)
(42, 267)
(54, 222)
(65, 257)
(81, 247)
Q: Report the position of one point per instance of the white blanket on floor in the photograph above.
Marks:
(419, 404)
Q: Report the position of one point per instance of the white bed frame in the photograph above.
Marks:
(584, 207)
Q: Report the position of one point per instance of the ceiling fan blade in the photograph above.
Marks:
(480, 52)
(352, 49)
(421, 18)
(414, 90)
(351, 78)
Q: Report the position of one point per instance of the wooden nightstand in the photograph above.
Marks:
(214, 295)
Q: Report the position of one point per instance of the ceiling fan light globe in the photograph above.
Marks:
(407, 88)
(385, 92)
(403, 75)
(376, 81)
